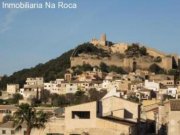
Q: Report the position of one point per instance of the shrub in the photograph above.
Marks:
(107, 69)
(156, 69)
(135, 51)
(158, 59)
(89, 48)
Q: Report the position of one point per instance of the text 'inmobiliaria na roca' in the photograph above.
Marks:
(38, 5)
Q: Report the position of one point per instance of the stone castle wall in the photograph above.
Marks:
(126, 63)
(121, 47)
(154, 52)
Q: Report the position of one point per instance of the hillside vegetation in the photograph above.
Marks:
(51, 70)
(90, 49)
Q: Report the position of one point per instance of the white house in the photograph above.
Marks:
(32, 87)
(55, 86)
(71, 87)
(108, 84)
(27, 94)
(151, 85)
(12, 88)
(38, 81)
(172, 92)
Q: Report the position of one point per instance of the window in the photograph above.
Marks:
(12, 132)
(3, 131)
(80, 114)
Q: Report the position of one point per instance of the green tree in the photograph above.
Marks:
(132, 50)
(135, 51)
(15, 98)
(95, 95)
(54, 99)
(143, 51)
(70, 98)
(158, 59)
(104, 67)
(116, 69)
(45, 96)
(62, 101)
(80, 97)
(80, 69)
(2, 101)
(156, 69)
(88, 48)
(32, 118)
(35, 102)
(87, 67)
(172, 72)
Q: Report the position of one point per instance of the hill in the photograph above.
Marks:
(115, 58)
(50, 70)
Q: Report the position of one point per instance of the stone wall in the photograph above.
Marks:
(126, 63)
(154, 52)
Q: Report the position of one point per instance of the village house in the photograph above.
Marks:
(55, 86)
(168, 119)
(12, 88)
(111, 115)
(34, 84)
(6, 110)
(160, 77)
(172, 92)
(9, 128)
(32, 89)
(97, 85)
(54, 126)
(144, 94)
(90, 75)
(151, 85)
(167, 83)
(174, 119)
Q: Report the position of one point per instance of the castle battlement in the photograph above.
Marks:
(101, 41)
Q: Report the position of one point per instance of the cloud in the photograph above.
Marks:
(9, 18)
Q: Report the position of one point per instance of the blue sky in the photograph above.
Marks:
(29, 37)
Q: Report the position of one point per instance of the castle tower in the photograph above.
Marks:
(103, 37)
(101, 41)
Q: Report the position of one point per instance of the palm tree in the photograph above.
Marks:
(30, 117)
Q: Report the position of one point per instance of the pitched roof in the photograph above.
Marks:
(8, 124)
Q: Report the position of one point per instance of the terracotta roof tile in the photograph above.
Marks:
(175, 105)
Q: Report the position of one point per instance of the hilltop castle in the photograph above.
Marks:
(167, 62)
(102, 41)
